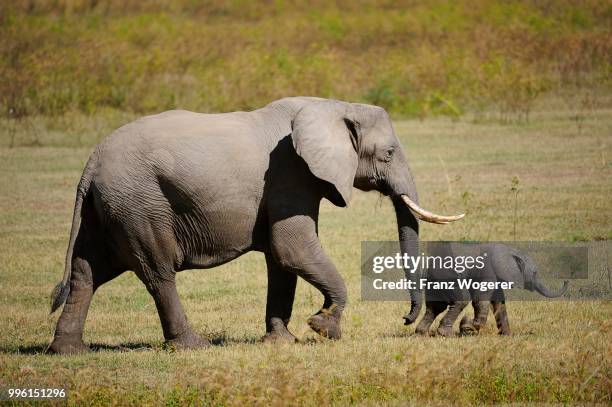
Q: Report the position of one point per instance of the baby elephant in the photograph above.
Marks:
(498, 263)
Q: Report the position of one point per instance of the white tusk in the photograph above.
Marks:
(429, 216)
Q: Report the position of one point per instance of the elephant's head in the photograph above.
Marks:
(349, 144)
(528, 276)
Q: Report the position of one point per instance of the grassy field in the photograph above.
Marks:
(413, 57)
(558, 353)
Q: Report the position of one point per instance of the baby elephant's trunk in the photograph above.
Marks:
(542, 289)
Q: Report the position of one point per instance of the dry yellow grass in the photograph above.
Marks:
(559, 352)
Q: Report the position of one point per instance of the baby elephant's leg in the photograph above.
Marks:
(446, 325)
(458, 300)
(481, 313)
(481, 301)
(432, 310)
(469, 326)
(501, 317)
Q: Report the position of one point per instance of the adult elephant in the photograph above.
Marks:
(182, 190)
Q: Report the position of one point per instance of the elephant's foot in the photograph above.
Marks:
(422, 330)
(278, 336)
(326, 324)
(478, 324)
(188, 340)
(467, 327)
(277, 331)
(67, 345)
(444, 330)
(504, 332)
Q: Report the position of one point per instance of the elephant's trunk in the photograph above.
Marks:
(402, 189)
(542, 289)
(408, 230)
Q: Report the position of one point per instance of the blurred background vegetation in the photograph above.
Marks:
(415, 58)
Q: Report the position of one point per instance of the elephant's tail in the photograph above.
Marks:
(62, 289)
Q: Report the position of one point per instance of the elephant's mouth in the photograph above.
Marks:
(427, 216)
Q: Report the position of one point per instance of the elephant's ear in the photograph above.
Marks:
(520, 261)
(325, 136)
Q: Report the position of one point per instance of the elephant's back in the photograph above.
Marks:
(182, 143)
(176, 128)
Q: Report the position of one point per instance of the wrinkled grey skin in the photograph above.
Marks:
(503, 263)
(182, 190)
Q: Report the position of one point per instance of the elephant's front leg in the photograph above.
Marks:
(432, 310)
(296, 247)
(281, 292)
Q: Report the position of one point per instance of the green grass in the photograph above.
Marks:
(559, 352)
(415, 58)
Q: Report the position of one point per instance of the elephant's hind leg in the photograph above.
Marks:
(470, 326)
(68, 336)
(481, 314)
(90, 270)
(281, 293)
(176, 329)
(501, 313)
(501, 317)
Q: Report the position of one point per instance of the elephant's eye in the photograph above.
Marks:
(389, 154)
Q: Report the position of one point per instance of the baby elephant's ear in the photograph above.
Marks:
(325, 136)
